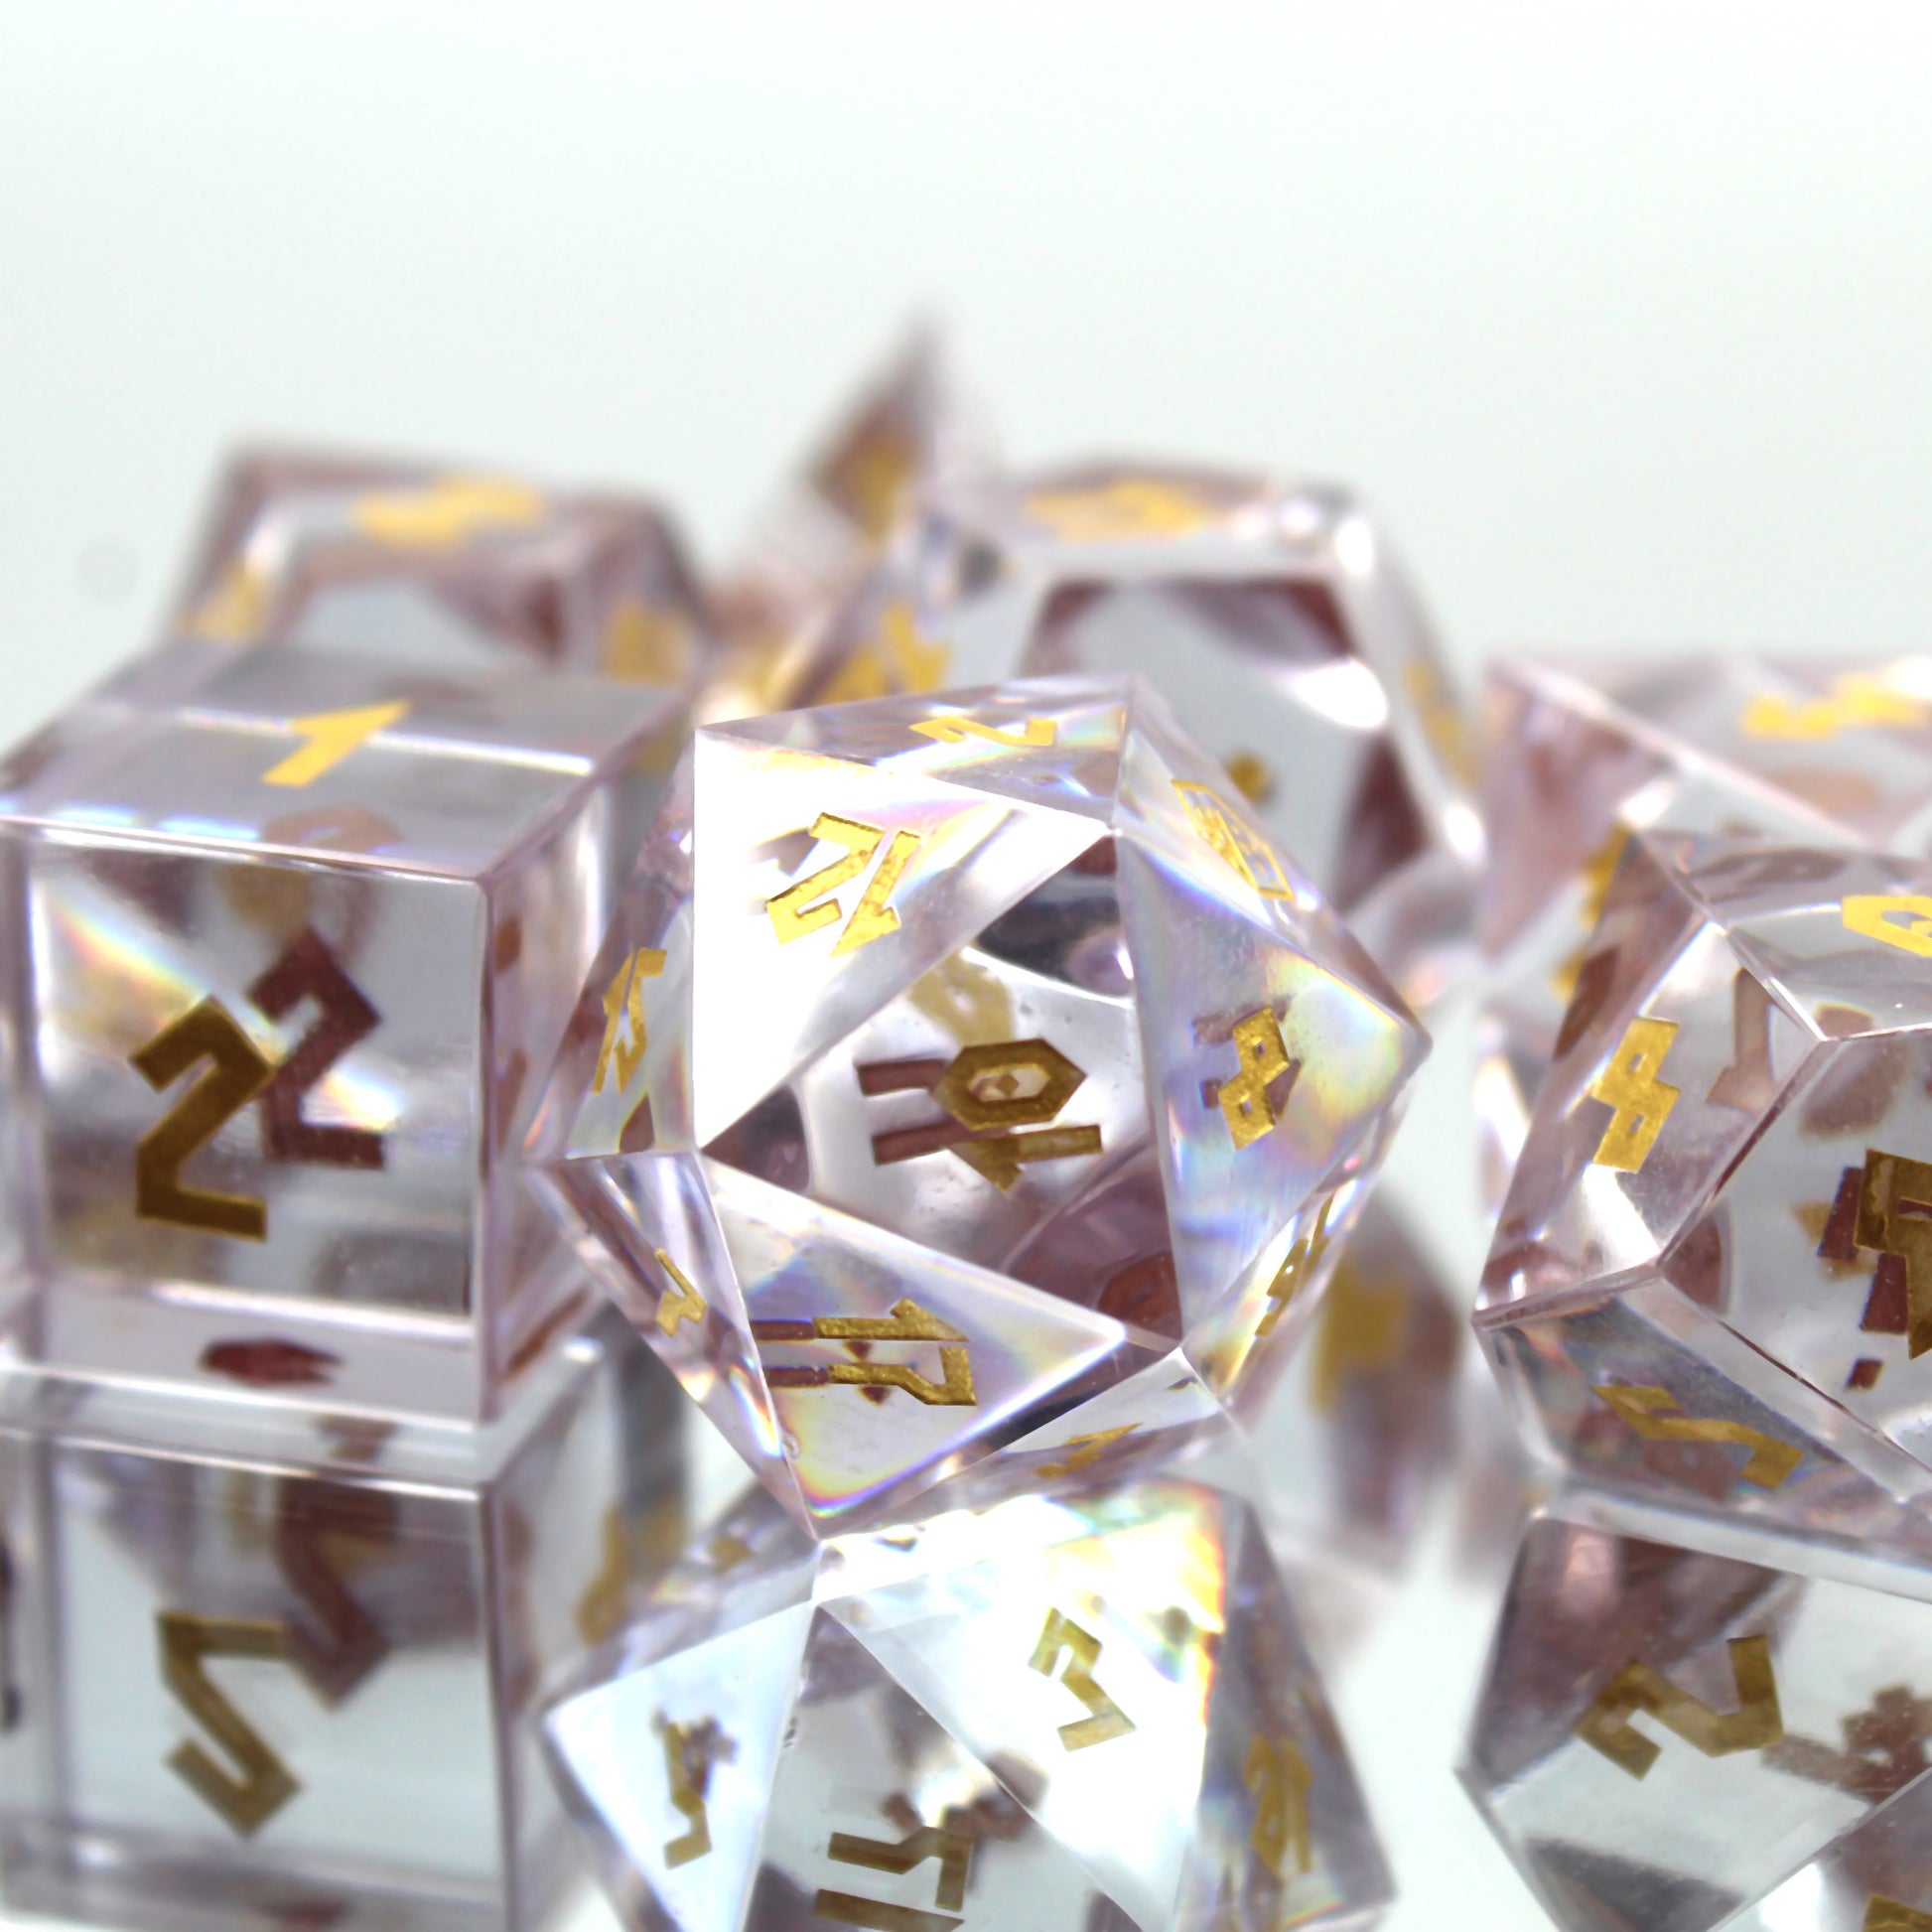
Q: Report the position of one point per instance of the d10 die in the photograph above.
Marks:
(442, 564)
(292, 937)
(269, 1667)
(1713, 1273)
(1685, 1725)
(1574, 761)
(1094, 1712)
(967, 1078)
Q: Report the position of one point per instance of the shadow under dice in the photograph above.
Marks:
(292, 950)
(443, 566)
(269, 1667)
(966, 1094)
(1093, 1714)
(1684, 1725)
(1712, 1275)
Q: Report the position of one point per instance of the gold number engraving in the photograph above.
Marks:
(1133, 506)
(238, 1073)
(680, 1302)
(1747, 1083)
(1642, 1102)
(1279, 1776)
(1264, 1059)
(953, 1851)
(689, 1751)
(1654, 1414)
(1232, 841)
(623, 1008)
(794, 912)
(265, 1784)
(309, 971)
(1304, 1258)
(955, 730)
(332, 736)
(1857, 698)
(446, 512)
(1087, 1450)
(1896, 1218)
(1082, 1651)
(1882, 1914)
(1870, 914)
(908, 1322)
(1757, 1723)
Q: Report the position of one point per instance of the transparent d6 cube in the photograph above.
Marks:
(291, 938)
(448, 564)
(271, 1667)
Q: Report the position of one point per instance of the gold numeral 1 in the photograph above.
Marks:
(1640, 1099)
(1037, 733)
(1279, 1776)
(1653, 1413)
(1870, 914)
(265, 1783)
(1882, 1914)
(624, 1007)
(1756, 1725)
(332, 736)
(1264, 1059)
(953, 1851)
(799, 910)
(239, 1072)
(1082, 1650)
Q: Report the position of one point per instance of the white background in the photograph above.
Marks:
(1622, 314)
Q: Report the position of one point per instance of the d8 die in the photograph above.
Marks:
(442, 564)
(271, 1667)
(1683, 1725)
(292, 937)
(1094, 1712)
(1712, 1276)
(967, 1079)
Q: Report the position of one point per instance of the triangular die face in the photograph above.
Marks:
(1270, 1070)
(645, 1227)
(1053, 743)
(1110, 1763)
(878, 1817)
(1284, 1838)
(800, 935)
(1646, 1391)
(886, 1360)
(672, 1766)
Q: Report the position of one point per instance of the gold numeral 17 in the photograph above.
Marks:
(800, 910)
(952, 1850)
(264, 1784)
(238, 1073)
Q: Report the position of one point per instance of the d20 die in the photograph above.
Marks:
(1093, 1712)
(1280, 625)
(967, 1079)
(292, 937)
(1576, 760)
(270, 1667)
(1685, 1723)
(1711, 1272)
(442, 564)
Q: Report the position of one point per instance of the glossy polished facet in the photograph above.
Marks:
(443, 565)
(1093, 1711)
(293, 936)
(967, 1087)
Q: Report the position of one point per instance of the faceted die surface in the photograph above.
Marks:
(1278, 623)
(1093, 1711)
(272, 1667)
(1710, 1276)
(443, 565)
(1686, 1724)
(963, 1081)
(293, 936)
(1574, 760)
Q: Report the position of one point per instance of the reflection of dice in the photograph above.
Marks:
(1574, 761)
(269, 1667)
(1712, 1275)
(967, 1082)
(294, 934)
(1683, 1727)
(441, 565)
(1080, 1714)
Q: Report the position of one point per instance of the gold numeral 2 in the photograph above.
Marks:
(686, 1798)
(1037, 733)
(265, 1783)
(239, 1072)
(1082, 1650)
(1653, 1413)
(952, 1850)
(624, 1007)
(680, 1302)
(332, 736)
(1756, 1725)
(799, 910)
